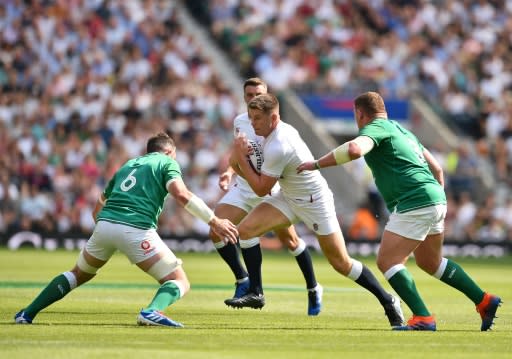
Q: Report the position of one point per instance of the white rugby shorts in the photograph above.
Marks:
(317, 212)
(242, 199)
(137, 244)
(418, 223)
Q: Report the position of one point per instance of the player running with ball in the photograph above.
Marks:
(302, 197)
(236, 203)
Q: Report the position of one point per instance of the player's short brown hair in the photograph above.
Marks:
(255, 81)
(266, 103)
(161, 142)
(370, 103)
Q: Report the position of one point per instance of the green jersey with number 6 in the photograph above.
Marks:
(137, 191)
(399, 168)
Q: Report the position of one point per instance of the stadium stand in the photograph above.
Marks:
(84, 82)
(451, 53)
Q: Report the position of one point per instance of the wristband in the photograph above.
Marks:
(196, 207)
(317, 165)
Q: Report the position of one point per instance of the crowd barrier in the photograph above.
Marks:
(197, 243)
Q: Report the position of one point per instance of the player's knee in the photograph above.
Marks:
(290, 242)
(382, 264)
(248, 230)
(163, 269)
(341, 266)
(341, 263)
(428, 265)
(245, 232)
(83, 266)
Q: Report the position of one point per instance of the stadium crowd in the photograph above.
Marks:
(455, 54)
(84, 82)
(83, 85)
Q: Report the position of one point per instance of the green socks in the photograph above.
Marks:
(452, 274)
(54, 291)
(402, 282)
(448, 272)
(167, 294)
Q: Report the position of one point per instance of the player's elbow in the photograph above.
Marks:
(354, 150)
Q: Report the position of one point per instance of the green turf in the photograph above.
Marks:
(98, 319)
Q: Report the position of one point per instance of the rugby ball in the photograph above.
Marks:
(256, 157)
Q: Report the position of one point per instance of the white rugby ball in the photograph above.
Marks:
(256, 157)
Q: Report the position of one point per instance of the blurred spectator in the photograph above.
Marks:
(83, 84)
(453, 54)
(492, 230)
(364, 226)
(504, 153)
(462, 170)
(463, 225)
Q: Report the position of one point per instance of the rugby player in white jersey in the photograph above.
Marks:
(239, 200)
(302, 197)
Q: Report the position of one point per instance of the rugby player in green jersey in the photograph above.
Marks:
(411, 182)
(126, 218)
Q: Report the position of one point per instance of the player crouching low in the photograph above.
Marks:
(126, 219)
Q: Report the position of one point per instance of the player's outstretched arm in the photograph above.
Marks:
(347, 152)
(196, 207)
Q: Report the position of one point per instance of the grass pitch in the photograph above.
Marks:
(98, 320)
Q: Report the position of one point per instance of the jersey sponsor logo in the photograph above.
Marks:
(146, 246)
(256, 157)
